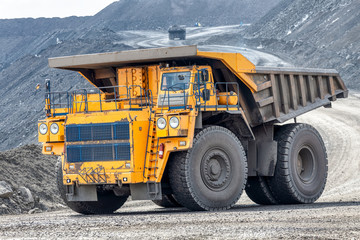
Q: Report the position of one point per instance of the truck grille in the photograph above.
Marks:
(98, 152)
(98, 142)
(97, 132)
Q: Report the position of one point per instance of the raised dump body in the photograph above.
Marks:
(184, 127)
(284, 93)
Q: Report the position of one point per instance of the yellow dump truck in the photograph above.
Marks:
(183, 127)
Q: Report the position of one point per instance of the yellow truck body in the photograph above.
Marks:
(146, 108)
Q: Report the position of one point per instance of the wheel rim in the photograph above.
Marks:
(305, 164)
(216, 169)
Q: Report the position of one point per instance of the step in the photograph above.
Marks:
(152, 167)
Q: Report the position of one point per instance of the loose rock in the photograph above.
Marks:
(26, 194)
(5, 190)
(34, 210)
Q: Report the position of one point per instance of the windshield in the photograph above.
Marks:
(175, 81)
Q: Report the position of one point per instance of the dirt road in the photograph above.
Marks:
(336, 214)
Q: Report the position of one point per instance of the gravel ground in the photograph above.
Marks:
(336, 215)
(335, 220)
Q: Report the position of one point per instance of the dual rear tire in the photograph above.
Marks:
(301, 169)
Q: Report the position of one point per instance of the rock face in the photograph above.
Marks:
(313, 33)
(5, 190)
(145, 14)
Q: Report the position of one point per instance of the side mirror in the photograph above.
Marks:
(205, 75)
(47, 85)
(205, 94)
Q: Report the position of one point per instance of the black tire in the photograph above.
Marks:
(258, 190)
(107, 202)
(212, 174)
(167, 201)
(302, 165)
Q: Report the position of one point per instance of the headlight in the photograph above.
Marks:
(174, 122)
(43, 128)
(54, 128)
(161, 123)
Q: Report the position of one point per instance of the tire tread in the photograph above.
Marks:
(180, 182)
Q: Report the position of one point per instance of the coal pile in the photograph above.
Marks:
(28, 181)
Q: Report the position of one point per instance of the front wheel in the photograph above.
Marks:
(302, 165)
(212, 174)
(107, 202)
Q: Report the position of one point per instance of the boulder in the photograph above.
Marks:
(5, 190)
(34, 210)
(26, 194)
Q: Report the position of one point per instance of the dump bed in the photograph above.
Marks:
(284, 93)
(266, 94)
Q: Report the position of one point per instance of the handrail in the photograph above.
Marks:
(75, 101)
(134, 97)
(197, 96)
(227, 91)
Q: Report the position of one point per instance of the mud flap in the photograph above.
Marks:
(262, 157)
(146, 191)
(266, 158)
(86, 193)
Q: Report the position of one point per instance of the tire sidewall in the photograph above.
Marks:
(231, 146)
(308, 138)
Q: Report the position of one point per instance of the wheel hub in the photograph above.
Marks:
(305, 165)
(216, 170)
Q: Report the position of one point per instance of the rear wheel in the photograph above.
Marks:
(258, 190)
(212, 174)
(167, 201)
(301, 169)
(107, 202)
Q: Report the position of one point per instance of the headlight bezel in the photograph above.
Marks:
(57, 128)
(177, 122)
(161, 125)
(43, 126)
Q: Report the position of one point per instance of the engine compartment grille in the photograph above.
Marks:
(97, 132)
(98, 152)
(98, 142)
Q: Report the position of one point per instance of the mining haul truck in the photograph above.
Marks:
(177, 32)
(183, 127)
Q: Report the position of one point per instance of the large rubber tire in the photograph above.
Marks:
(168, 201)
(302, 165)
(107, 202)
(212, 174)
(258, 190)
